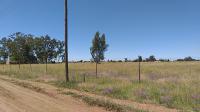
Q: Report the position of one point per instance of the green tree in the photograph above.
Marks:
(140, 58)
(39, 49)
(98, 48)
(151, 58)
(28, 50)
(45, 49)
(16, 47)
(125, 59)
(60, 50)
(25, 48)
(189, 58)
(3, 49)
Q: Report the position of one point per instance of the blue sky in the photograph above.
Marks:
(164, 28)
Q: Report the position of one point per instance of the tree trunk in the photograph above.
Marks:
(96, 70)
(139, 72)
(3, 67)
(46, 65)
(10, 69)
(19, 65)
(30, 67)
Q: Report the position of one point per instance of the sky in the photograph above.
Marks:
(163, 28)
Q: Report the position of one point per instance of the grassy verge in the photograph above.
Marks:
(110, 106)
(170, 94)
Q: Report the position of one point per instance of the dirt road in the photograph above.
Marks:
(18, 99)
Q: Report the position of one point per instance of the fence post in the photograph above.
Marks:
(84, 77)
(139, 72)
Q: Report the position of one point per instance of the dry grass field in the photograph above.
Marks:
(172, 84)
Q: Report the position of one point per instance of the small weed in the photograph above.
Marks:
(107, 91)
(64, 84)
(142, 93)
(166, 100)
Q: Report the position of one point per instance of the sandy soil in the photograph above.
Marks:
(18, 99)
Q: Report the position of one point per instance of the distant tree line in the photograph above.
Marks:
(26, 48)
(153, 59)
(139, 59)
(189, 58)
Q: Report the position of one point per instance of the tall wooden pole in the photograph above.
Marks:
(66, 42)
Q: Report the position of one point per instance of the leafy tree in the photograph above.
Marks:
(3, 49)
(45, 49)
(28, 51)
(151, 58)
(26, 48)
(16, 47)
(4, 52)
(140, 58)
(164, 60)
(98, 48)
(60, 50)
(39, 49)
(125, 59)
(189, 58)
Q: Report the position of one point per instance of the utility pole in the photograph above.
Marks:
(66, 42)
